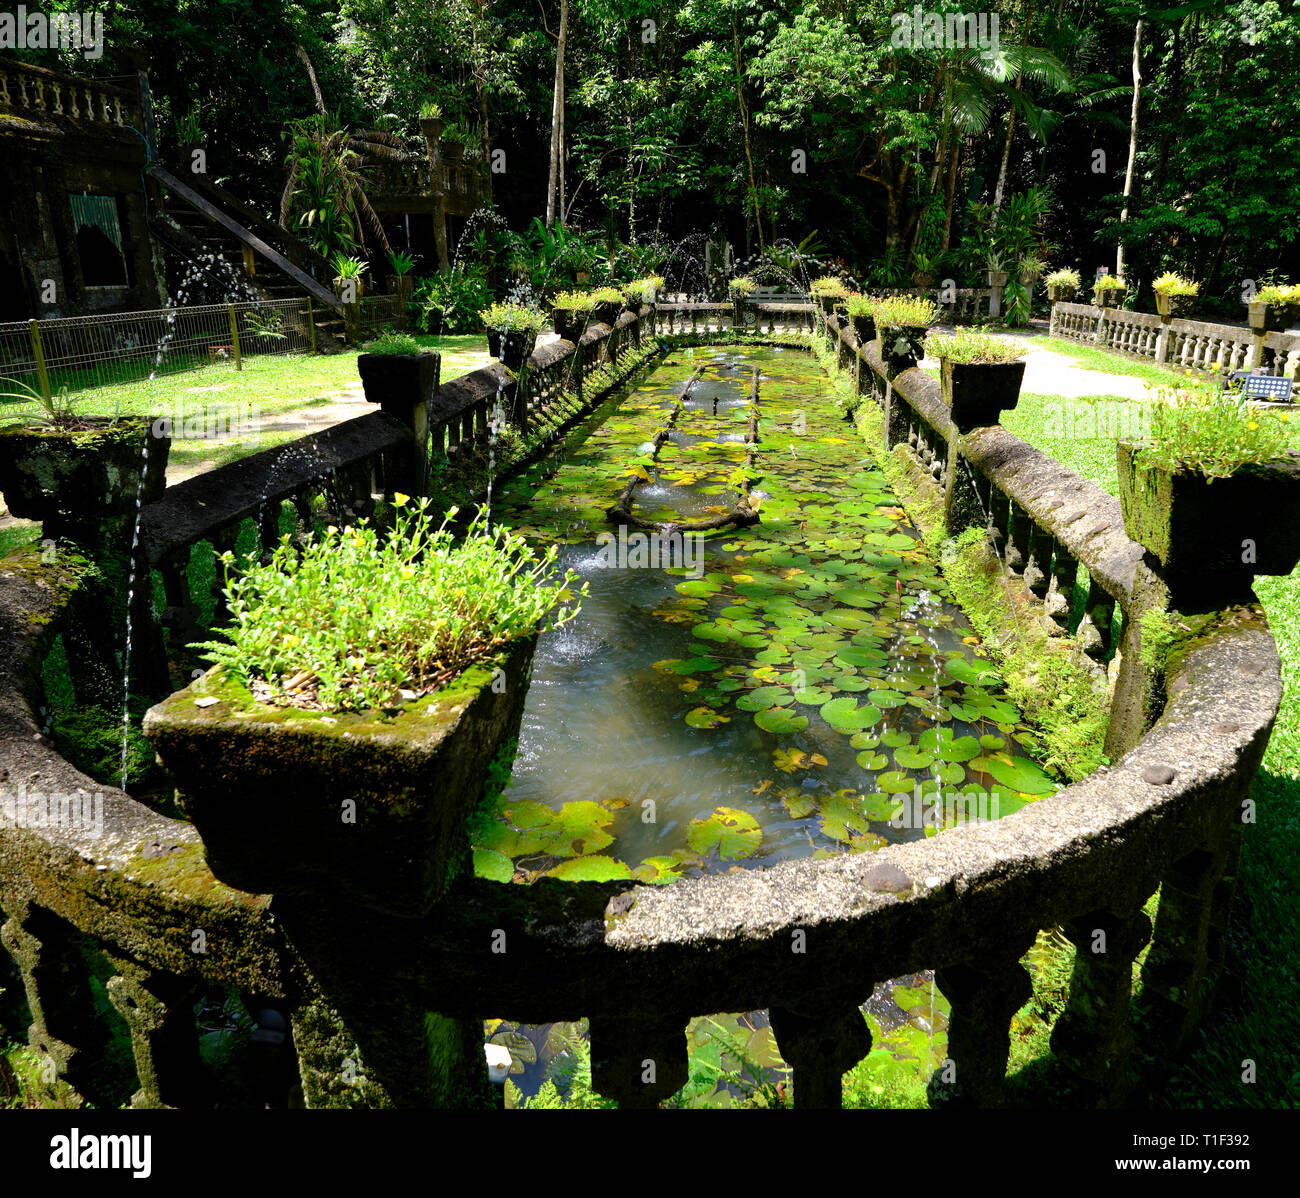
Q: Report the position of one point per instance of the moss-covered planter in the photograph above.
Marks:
(998, 278)
(864, 328)
(516, 348)
(1175, 306)
(399, 379)
(1273, 318)
(1061, 293)
(570, 323)
(370, 807)
(827, 303)
(978, 392)
(606, 313)
(1210, 537)
(739, 311)
(74, 479)
(1111, 297)
(901, 348)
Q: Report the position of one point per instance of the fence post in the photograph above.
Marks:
(234, 337)
(38, 352)
(311, 323)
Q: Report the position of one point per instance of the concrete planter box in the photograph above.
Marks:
(72, 479)
(431, 127)
(1061, 293)
(1273, 318)
(511, 348)
(998, 278)
(1212, 536)
(1112, 297)
(399, 379)
(1175, 306)
(978, 392)
(368, 807)
(739, 311)
(569, 323)
(606, 313)
(902, 348)
(827, 303)
(864, 328)
(924, 279)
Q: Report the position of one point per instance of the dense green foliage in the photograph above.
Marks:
(821, 123)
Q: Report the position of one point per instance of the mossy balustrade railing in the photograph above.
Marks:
(1178, 343)
(806, 940)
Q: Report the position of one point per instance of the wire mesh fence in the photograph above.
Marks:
(83, 352)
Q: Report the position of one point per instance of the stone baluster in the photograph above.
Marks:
(58, 97)
(1038, 563)
(1188, 944)
(180, 616)
(159, 1010)
(223, 540)
(638, 1062)
(1018, 534)
(40, 93)
(1000, 513)
(1094, 632)
(23, 100)
(1093, 1036)
(1060, 595)
(268, 525)
(4, 87)
(985, 994)
(66, 1031)
(820, 1049)
(302, 507)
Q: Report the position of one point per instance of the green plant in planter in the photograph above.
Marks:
(901, 321)
(861, 310)
(607, 303)
(980, 375)
(53, 411)
(358, 620)
(1213, 495)
(1174, 294)
(430, 110)
(1062, 285)
(512, 332)
(741, 286)
(392, 343)
(1276, 306)
(1109, 291)
(643, 290)
(1031, 268)
(571, 311)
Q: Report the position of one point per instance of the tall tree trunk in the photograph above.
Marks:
(1011, 128)
(950, 192)
(744, 128)
(557, 122)
(1132, 141)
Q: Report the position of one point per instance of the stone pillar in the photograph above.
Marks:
(159, 1010)
(638, 1062)
(1162, 339)
(820, 1049)
(962, 505)
(1093, 1036)
(985, 994)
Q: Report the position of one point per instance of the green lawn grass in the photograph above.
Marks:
(268, 385)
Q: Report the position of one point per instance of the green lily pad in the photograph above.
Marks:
(494, 866)
(780, 720)
(1022, 775)
(732, 832)
(590, 869)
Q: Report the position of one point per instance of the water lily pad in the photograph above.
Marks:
(1022, 775)
(590, 869)
(705, 717)
(732, 832)
(492, 865)
(896, 782)
(780, 720)
(657, 870)
(844, 715)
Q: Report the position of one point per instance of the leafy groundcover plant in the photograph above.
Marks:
(973, 348)
(512, 318)
(906, 312)
(362, 620)
(1212, 432)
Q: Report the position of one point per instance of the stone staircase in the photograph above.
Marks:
(200, 219)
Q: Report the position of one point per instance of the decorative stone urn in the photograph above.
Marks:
(978, 392)
(368, 808)
(1211, 536)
